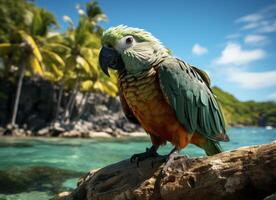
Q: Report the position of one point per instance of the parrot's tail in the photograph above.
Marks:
(212, 148)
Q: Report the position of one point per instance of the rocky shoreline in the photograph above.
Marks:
(100, 116)
(104, 126)
(70, 134)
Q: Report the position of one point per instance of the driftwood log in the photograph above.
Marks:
(245, 173)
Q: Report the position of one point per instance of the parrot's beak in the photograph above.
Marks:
(110, 58)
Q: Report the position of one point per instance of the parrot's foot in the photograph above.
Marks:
(169, 159)
(150, 153)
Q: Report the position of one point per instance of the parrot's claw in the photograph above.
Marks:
(169, 159)
(150, 153)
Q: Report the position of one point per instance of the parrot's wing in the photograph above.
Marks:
(203, 75)
(126, 109)
(191, 98)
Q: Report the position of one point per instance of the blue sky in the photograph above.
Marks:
(234, 41)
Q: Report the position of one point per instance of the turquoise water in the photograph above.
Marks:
(38, 168)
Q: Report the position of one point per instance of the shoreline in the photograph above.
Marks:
(90, 135)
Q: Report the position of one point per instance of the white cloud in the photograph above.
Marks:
(262, 21)
(268, 28)
(250, 18)
(235, 55)
(272, 96)
(253, 80)
(253, 28)
(254, 25)
(233, 36)
(199, 50)
(255, 39)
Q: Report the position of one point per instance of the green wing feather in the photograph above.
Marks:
(188, 91)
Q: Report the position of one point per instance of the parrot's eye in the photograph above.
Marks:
(129, 40)
(125, 43)
(109, 46)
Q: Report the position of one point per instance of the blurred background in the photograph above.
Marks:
(52, 89)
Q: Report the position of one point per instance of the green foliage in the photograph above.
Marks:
(24, 27)
(79, 46)
(63, 58)
(13, 15)
(42, 20)
(246, 113)
(22, 15)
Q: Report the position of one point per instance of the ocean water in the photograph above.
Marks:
(39, 168)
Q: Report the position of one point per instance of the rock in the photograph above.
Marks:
(28, 133)
(137, 134)
(71, 134)
(128, 127)
(18, 132)
(60, 127)
(17, 180)
(2, 130)
(37, 123)
(10, 126)
(114, 104)
(100, 109)
(43, 132)
(99, 134)
(245, 173)
(271, 197)
(61, 196)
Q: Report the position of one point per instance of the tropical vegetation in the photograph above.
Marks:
(246, 113)
(31, 46)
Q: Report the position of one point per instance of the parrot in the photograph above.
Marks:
(171, 99)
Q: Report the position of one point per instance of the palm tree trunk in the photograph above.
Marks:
(60, 93)
(71, 101)
(17, 96)
(72, 105)
(82, 105)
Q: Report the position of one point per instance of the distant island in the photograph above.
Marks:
(247, 113)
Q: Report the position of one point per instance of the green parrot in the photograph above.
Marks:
(169, 98)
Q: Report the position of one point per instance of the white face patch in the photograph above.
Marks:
(125, 43)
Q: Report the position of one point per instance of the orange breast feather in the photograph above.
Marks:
(156, 116)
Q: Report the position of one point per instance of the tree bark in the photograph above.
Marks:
(70, 102)
(245, 173)
(17, 95)
(71, 107)
(60, 94)
(82, 106)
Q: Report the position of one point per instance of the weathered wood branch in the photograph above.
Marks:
(245, 173)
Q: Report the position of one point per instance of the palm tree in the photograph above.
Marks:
(81, 61)
(54, 51)
(24, 49)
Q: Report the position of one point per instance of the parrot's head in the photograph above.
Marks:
(130, 49)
